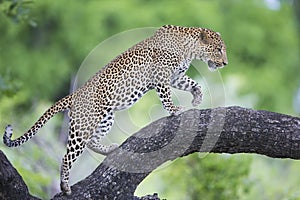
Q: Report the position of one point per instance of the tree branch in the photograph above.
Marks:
(12, 185)
(220, 130)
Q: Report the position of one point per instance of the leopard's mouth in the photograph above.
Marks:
(212, 66)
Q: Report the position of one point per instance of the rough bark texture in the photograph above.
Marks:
(12, 185)
(220, 130)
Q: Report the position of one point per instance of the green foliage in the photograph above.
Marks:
(194, 177)
(8, 85)
(267, 176)
(35, 181)
(259, 53)
(39, 57)
(17, 11)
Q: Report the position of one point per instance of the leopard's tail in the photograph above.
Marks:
(61, 105)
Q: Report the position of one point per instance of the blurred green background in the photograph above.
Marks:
(42, 46)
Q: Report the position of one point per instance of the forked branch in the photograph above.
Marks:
(220, 130)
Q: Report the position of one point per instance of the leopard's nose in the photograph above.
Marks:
(225, 60)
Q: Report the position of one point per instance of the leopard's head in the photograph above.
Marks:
(212, 49)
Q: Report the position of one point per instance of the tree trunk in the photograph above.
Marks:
(12, 186)
(220, 130)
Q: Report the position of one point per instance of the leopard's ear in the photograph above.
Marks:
(203, 37)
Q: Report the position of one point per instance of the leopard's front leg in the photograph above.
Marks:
(164, 93)
(187, 84)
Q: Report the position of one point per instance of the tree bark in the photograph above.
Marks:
(220, 130)
(12, 185)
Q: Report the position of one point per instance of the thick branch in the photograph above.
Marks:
(12, 185)
(220, 130)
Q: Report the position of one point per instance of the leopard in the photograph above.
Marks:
(158, 63)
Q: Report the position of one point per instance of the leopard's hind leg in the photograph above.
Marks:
(103, 129)
(75, 146)
(81, 127)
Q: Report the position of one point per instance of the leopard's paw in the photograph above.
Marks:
(197, 94)
(65, 188)
(176, 110)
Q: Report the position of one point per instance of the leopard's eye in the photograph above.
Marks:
(219, 52)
